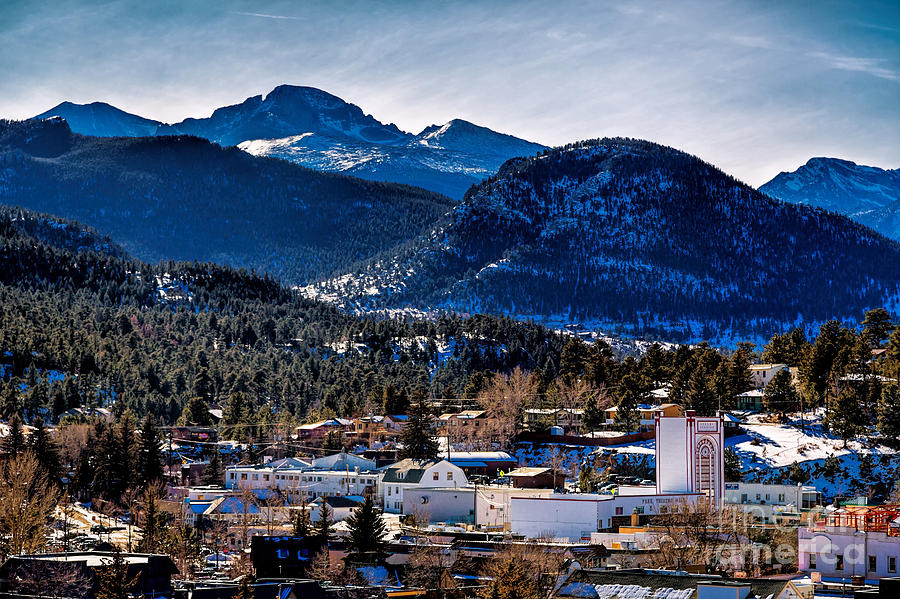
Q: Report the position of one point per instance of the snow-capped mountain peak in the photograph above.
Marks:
(868, 194)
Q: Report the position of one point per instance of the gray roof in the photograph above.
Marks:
(583, 581)
(411, 470)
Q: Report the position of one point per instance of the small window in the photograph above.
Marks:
(436, 476)
(282, 553)
(781, 497)
(758, 496)
(231, 476)
(265, 477)
(255, 477)
(873, 563)
(892, 565)
(449, 476)
(812, 561)
(243, 476)
(838, 562)
(389, 491)
(619, 511)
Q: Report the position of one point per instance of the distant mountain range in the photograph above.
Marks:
(319, 130)
(627, 232)
(184, 198)
(867, 194)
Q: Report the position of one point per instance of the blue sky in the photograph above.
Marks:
(754, 87)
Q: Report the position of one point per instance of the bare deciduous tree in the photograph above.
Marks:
(45, 578)
(27, 503)
(505, 402)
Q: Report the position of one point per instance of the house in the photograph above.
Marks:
(317, 431)
(488, 463)
(751, 401)
(367, 428)
(762, 374)
(410, 473)
(647, 414)
(150, 573)
(395, 423)
(340, 507)
(466, 425)
(203, 434)
(568, 418)
(533, 478)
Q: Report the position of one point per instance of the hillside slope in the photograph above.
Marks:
(184, 198)
(867, 194)
(626, 231)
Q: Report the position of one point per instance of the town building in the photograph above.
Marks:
(568, 418)
(772, 504)
(647, 414)
(852, 541)
(488, 463)
(410, 473)
(331, 476)
(762, 374)
(317, 431)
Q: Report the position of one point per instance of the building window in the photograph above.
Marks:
(812, 561)
(265, 477)
(436, 476)
(838, 562)
(449, 476)
(892, 565)
(231, 476)
(873, 563)
(619, 511)
(389, 491)
(781, 497)
(255, 477)
(243, 476)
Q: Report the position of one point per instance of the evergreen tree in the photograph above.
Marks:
(14, 442)
(632, 392)
(367, 530)
(419, 441)
(511, 580)
(888, 411)
(780, 396)
(46, 451)
(113, 581)
(302, 527)
(877, 327)
(699, 395)
(150, 456)
(594, 416)
(195, 413)
(845, 417)
(732, 466)
(214, 475)
(154, 523)
(323, 526)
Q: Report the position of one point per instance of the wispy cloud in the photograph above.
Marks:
(870, 66)
(268, 16)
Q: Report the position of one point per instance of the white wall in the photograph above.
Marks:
(441, 505)
(442, 474)
(854, 546)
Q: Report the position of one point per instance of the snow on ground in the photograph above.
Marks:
(767, 451)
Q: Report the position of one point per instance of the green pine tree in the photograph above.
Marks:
(632, 392)
(732, 466)
(367, 530)
(214, 475)
(149, 453)
(302, 526)
(888, 411)
(46, 451)
(323, 526)
(419, 441)
(780, 396)
(113, 581)
(14, 442)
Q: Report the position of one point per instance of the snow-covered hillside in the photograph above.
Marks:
(633, 233)
(867, 194)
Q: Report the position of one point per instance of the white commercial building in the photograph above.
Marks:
(692, 469)
(482, 505)
(772, 503)
(332, 476)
